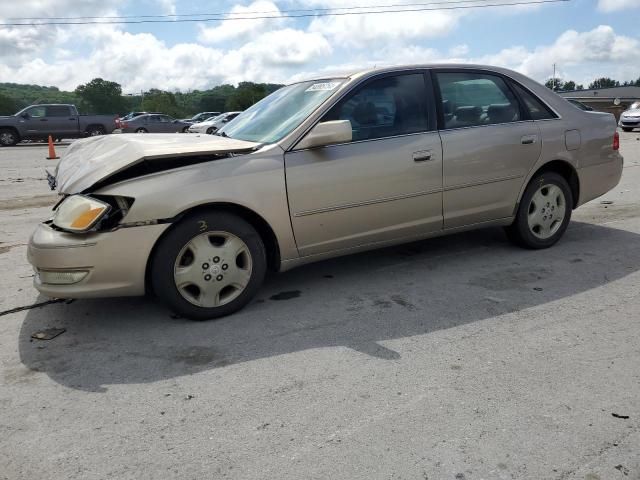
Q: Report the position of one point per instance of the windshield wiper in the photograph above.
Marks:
(222, 134)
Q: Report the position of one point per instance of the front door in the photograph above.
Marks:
(385, 184)
(488, 147)
(35, 121)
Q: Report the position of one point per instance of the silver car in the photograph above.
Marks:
(630, 118)
(153, 123)
(318, 169)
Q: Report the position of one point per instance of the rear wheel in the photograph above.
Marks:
(141, 130)
(8, 137)
(209, 265)
(185, 129)
(544, 212)
(95, 130)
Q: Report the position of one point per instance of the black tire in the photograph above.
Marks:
(520, 232)
(172, 245)
(8, 137)
(95, 130)
(211, 131)
(185, 129)
(627, 129)
(142, 130)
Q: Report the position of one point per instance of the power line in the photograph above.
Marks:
(108, 21)
(264, 12)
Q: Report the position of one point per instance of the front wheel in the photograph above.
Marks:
(141, 130)
(544, 212)
(211, 130)
(627, 129)
(8, 138)
(209, 265)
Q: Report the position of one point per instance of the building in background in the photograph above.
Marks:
(604, 99)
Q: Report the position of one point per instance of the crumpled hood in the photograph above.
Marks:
(91, 160)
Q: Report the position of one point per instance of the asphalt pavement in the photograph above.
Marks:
(460, 357)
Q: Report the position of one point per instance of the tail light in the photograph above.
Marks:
(616, 141)
(124, 125)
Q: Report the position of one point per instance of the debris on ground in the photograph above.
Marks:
(623, 469)
(48, 334)
(286, 295)
(189, 397)
(624, 417)
(606, 202)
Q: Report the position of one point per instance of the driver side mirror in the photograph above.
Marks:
(327, 133)
(25, 115)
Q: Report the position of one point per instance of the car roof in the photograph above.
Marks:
(353, 73)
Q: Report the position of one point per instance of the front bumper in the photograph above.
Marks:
(116, 261)
(629, 122)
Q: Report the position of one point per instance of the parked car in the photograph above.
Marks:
(153, 123)
(200, 117)
(630, 118)
(580, 105)
(131, 115)
(212, 125)
(37, 122)
(315, 171)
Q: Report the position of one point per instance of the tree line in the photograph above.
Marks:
(101, 96)
(557, 84)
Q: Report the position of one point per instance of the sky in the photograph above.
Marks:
(584, 38)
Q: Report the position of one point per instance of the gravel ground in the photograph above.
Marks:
(454, 358)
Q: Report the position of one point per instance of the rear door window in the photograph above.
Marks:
(58, 111)
(472, 99)
(385, 107)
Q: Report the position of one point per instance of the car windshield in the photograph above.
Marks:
(277, 115)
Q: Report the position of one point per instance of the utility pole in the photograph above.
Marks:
(555, 85)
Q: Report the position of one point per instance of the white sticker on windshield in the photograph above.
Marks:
(322, 86)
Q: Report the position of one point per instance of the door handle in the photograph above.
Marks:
(43, 120)
(529, 139)
(423, 156)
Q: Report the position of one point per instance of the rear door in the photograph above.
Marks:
(385, 184)
(489, 145)
(62, 121)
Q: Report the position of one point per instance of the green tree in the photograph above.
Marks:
(163, 102)
(604, 82)
(101, 96)
(8, 105)
(554, 84)
(570, 85)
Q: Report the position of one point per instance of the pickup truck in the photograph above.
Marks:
(37, 122)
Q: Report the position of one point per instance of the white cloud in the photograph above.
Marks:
(168, 7)
(234, 29)
(586, 54)
(362, 31)
(615, 5)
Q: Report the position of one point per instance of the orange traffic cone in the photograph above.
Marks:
(52, 150)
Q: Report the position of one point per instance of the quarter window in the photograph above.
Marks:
(537, 109)
(471, 99)
(389, 106)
